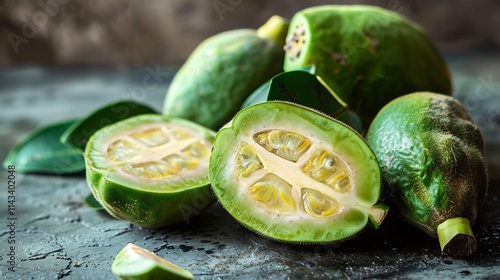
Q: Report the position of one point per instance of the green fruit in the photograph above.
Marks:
(150, 170)
(223, 71)
(366, 55)
(136, 263)
(295, 175)
(433, 166)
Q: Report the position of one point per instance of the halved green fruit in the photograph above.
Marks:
(151, 170)
(295, 175)
(433, 166)
(136, 263)
(367, 55)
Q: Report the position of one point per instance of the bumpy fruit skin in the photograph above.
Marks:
(281, 210)
(367, 55)
(223, 71)
(147, 202)
(432, 159)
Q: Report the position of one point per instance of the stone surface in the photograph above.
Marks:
(58, 237)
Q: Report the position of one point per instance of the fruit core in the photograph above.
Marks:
(295, 42)
(288, 173)
(159, 151)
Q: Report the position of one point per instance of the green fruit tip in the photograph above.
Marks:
(377, 214)
(274, 29)
(456, 238)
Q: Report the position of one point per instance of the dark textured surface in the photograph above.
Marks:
(59, 237)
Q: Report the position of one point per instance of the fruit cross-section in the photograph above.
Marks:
(158, 152)
(321, 185)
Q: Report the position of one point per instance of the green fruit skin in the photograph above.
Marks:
(431, 158)
(368, 55)
(150, 210)
(220, 74)
(272, 114)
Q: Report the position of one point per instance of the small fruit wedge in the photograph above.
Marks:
(136, 263)
(150, 170)
(295, 175)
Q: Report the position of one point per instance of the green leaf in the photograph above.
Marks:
(41, 151)
(93, 203)
(304, 88)
(78, 134)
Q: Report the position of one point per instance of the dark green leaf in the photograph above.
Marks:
(41, 151)
(79, 133)
(92, 202)
(304, 88)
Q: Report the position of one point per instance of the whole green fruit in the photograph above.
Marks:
(366, 55)
(295, 175)
(223, 71)
(433, 166)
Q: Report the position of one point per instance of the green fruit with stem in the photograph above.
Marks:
(433, 166)
(366, 55)
(151, 170)
(223, 71)
(295, 175)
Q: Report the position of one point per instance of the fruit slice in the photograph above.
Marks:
(223, 71)
(136, 263)
(150, 170)
(295, 175)
(433, 166)
(366, 55)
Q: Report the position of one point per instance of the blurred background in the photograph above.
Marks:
(132, 33)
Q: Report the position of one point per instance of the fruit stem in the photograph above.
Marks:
(456, 237)
(274, 29)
